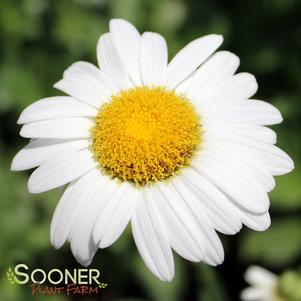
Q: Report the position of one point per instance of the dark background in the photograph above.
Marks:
(41, 38)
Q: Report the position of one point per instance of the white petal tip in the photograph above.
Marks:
(213, 39)
(216, 260)
(57, 245)
(262, 226)
(84, 263)
(121, 24)
(116, 20)
(260, 207)
(32, 188)
(119, 21)
(220, 38)
(23, 133)
(20, 119)
(290, 166)
(104, 244)
(221, 260)
(280, 118)
(167, 278)
(265, 228)
(277, 116)
(17, 164)
(58, 85)
(14, 166)
(214, 263)
(268, 224)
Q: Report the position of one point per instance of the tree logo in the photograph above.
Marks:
(10, 276)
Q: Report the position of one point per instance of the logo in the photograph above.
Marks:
(57, 281)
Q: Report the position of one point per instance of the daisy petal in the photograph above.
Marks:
(127, 41)
(190, 58)
(81, 236)
(257, 222)
(256, 275)
(110, 63)
(82, 67)
(60, 171)
(246, 160)
(72, 204)
(55, 107)
(214, 249)
(236, 183)
(276, 159)
(253, 168)
(218, 67)
(84, 87)
(251, 111)
(152, 240)
(225, 217)
(62, 128)
(255, 294)
(153, 58)
(85, 69)
(234, 131)
(184, 85)
(241, 86)
(39, 150)
(115, 215)
(184, 233)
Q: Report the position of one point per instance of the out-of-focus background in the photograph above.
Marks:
(41, 38)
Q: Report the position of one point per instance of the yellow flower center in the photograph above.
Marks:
(145, 134)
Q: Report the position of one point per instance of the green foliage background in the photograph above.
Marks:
(40, 38)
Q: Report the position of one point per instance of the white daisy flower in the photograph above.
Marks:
(177, 149)
(263, 285)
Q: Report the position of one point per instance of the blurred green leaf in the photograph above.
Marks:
(21, 21)
(79, 29)
(155, 288)
(279, 246)
(130, 299)
(266, 60)
(127, 9)
(167, 23)
(211, 287)
(18, 86)
(287, 194)
(290, 286)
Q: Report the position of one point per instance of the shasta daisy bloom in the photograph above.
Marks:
(263, 285)
(177, 149)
